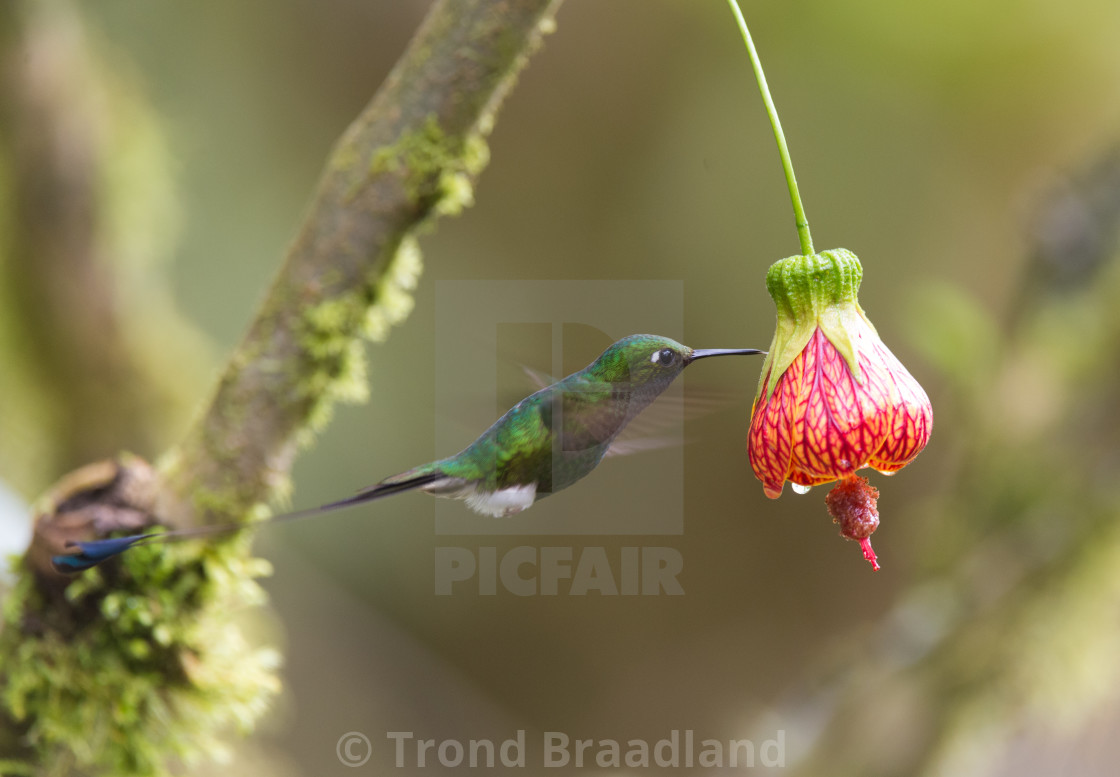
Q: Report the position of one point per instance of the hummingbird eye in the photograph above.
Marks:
(664, 357)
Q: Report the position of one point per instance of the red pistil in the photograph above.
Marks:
(868, 553)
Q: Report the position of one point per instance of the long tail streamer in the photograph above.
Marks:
(93, 552)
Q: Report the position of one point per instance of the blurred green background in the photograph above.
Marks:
(933, 139)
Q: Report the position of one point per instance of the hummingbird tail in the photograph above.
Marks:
(386, 488)
(93, 552)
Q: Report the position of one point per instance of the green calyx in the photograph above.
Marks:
(810, 292)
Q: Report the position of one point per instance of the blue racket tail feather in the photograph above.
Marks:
(93, 552)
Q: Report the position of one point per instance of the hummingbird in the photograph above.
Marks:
(543, 444)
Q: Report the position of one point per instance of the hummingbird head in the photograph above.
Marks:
(649, 363)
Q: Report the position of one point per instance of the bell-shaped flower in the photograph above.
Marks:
(832, 398)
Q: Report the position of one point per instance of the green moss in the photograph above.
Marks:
(332, 333)
(438, 169)
(146, 661)
(394, 290)
(330, 340)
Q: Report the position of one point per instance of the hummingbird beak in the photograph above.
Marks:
(702, 353)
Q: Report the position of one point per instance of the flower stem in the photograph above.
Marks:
(787, 165)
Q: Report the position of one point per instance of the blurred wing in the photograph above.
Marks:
(661, 424)
(537, 379)
(624, 444)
